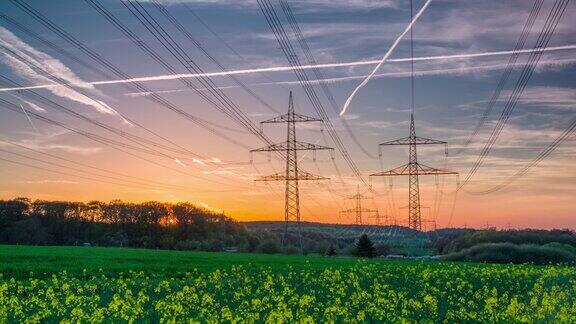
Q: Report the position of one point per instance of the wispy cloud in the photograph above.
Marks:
(50, 182)
(558, 97)
(46, 142)
(67, 148)
(34, 106)
(20, 57)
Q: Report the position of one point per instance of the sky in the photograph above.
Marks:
(167, 142)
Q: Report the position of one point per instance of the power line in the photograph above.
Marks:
(544, 37)
(162, 9)
(541, 156)
(218, 99)
(125, 135)
(150, 182)
(110, 67)
(68, 174)
(115, 178)
(134, 85)
(119, 146)
(507, 72)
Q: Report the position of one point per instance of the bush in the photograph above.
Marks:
(292, 250)
(269, 247)
(383, 249)
(513, 253)
(187, 245)
(560, 246)
(537, 237)
(212, 245)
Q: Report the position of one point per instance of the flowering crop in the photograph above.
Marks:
(367, 291)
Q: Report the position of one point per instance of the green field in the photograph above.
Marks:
(116, 285)
(43, 261)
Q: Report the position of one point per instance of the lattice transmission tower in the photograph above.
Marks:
(292, 175)
(358, 210)
(413, 169)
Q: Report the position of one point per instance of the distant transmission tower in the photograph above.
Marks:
(292, 174)
(413, 169)
(358, 210)
(379, 217)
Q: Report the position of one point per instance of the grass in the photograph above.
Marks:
(19, 261)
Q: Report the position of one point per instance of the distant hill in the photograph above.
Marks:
(400, 239)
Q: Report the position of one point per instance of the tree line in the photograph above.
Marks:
(117, 223)
(510, 246)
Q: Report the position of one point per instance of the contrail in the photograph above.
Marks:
(390, 50)
(167, 77)
(444, 71)
(29, 120)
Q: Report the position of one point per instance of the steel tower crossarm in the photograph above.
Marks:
(298, 145)
(281, 176)
(419, 169)
(296, 118)
(415, 140)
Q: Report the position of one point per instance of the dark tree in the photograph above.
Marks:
(365, 247)
(331, 251)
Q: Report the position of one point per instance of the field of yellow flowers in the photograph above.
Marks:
(359, 291)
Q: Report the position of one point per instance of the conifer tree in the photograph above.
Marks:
(331, 251)
(365, 247)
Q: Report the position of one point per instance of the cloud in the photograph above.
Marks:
(20, 57)
(350, 117)
(381, 124)
(50, 182)
(558, 97)
(45, 141)
(179, 162)
(69, 148)
(34, 106)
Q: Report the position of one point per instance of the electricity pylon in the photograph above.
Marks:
(379, 217)
(292, 174)
(413, 169)
(358, 210)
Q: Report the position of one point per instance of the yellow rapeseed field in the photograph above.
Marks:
(395, 291)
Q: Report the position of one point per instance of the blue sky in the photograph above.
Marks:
(450, 96)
